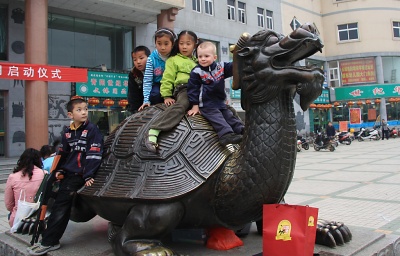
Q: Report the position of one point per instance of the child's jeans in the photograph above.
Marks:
(173, 114)
(61, 210)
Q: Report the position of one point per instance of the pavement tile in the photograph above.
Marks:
(349, 176)
(395, 179)
(359, 213)
(319, 188)
(385, 192)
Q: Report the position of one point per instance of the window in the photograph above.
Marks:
(3, 32)
(396, 29)
(208, 7)
(88, 43)
(334, 74)
(241, 12)
(348, 32)
(270, 21)
(231, 9)
(260, 17)
(196, 5)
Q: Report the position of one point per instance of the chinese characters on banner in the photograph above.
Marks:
(355, 115)
(104, 84)
(358, 71)
(17, 71)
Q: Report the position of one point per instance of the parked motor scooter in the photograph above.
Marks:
(344, 138)
(323, 142)
(393, 133)
(298, 145)
(366, 134)
(304, 143)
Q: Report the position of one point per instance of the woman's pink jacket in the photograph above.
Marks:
(15, 183)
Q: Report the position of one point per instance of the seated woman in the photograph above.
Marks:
(28, 176)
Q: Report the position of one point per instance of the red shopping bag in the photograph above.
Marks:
(289, 230)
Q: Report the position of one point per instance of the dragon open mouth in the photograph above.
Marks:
(301, 44)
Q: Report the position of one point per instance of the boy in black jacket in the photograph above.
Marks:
(81, 151)
(206, 93)
(135, 82)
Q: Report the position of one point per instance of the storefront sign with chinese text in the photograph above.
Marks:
(323, 98)
(17, 71)
(104, 84)
(367, 91)
(358, 71)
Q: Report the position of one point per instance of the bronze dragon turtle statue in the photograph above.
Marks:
(193, 181)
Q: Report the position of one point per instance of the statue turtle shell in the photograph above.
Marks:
(187, 156)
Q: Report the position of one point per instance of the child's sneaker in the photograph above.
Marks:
(32, 247)
(230, 138)
(41, 249)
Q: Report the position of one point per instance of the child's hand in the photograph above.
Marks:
(169, 101)
(89, 182)
(143, 106)
(194, 111)
(59, 175)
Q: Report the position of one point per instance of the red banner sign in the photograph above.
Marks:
(18, 71)
(358, 71)
(355, 116)
(343, 126)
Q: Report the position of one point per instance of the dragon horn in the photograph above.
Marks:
(234, 49)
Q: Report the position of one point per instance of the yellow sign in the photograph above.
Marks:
(311, 221)
(283, 231)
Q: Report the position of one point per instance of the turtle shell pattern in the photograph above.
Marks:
(187, 156)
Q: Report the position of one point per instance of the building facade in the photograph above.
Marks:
(360, 52)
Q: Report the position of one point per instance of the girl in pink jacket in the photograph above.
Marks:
(27, 176)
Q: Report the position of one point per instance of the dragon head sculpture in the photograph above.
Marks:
(265, 64)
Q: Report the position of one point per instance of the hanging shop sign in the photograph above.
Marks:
(367, 91)
(18, 71)
(343, 126)
(355, 115)
(104, 84)
(323, 98)
(358, 71)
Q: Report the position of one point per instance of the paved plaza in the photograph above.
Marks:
(357, 184)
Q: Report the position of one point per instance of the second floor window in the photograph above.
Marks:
(208, 7)
(270, 20)
(231, 9)
(260, 17)
(348, 32)
(196, 5)
(241, 12)
(396, 29)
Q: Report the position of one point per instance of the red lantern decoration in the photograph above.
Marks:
(313, 106)
(336, 105)
(359, 103)
(123, 103)
(368, 102)
(350, 103)
(108, 103)
(93, 101)
(392, 101)
(377, 101)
